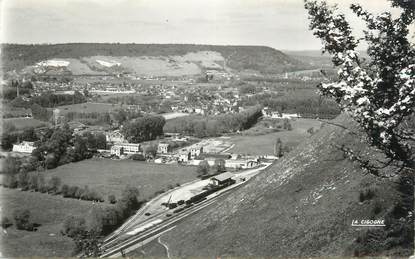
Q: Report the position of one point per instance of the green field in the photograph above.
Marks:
(112, 176)
(23, 123)
(246, 143)
(47, 210)
(90, 107)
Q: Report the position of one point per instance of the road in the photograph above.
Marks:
(137, 232)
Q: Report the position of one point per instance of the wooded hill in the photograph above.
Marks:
(258, 58)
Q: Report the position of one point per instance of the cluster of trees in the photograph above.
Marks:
(280, 149)
(211, 126)
(123, 115)
(85, 193)
(14, 88)
(57, 149)
(204, 169)
(144, 128)
(11, 136)
(22, 220)
(62, 148)
(35, 181)
(147, 103)
(54, 147)
(89, 117)
(47, 99)
(118, 117)
(287, 125)
(306, 106)
(101, 221)
(53, 100)
(40, 113)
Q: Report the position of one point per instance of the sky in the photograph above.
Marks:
(281, 24)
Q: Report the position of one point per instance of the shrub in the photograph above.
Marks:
(366, 194)
(79, 192)
(72, 191)
(22, 220)
(5, 222)
(112, 199)
(65, 191)
(73, 226)
(23, 181)
(377, 207)
(33, 181)
(203, 168)
(138, 157)
(54, 184)
(10, 181)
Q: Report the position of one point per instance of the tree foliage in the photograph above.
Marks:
(378, 94)
(212, 126)
(22, 220)
(203, 168)
(143, 128)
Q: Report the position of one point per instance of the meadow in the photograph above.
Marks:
(23, 123)
(253, 143)
(90, 107)
(108, 176)
(49, 211)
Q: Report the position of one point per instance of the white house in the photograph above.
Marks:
(183, 156)
(195, 151)
(163, 148)
(125, 148)
(290, 115)
(115, 137)
(24, 147)
(240, 163)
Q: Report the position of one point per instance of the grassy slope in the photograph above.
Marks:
(23, 123)
(49, 211)
(301, 206)
(111, 177)
(89, 108)
(264, 144)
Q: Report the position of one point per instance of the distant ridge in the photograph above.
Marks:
(262, 59)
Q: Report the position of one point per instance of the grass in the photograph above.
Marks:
(90, 107)
(23, 123)
(112, 176)
(302, 205)
(47, 210)
(250, 143)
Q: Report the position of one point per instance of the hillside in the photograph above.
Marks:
(303, 205)
(95, 58)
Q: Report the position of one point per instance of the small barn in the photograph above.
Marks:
(222, 179)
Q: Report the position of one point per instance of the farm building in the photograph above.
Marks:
(163, 148)
(125, 148)
(195, 151)
(24, 147)
(115, 137)
(241, 163)
(223, 179)
(183, 156)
